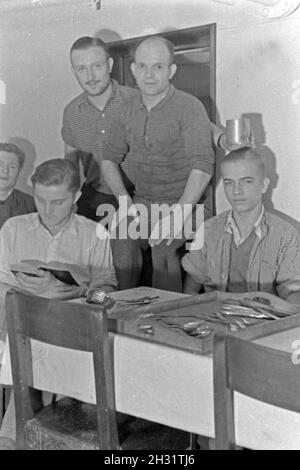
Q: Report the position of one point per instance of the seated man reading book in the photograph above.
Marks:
(246, 249)
(55, 234)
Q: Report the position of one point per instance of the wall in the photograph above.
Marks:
(258, 73)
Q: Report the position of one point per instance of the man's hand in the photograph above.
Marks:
(229, 147)
(47, 286)
(170, 227)
(161, 231)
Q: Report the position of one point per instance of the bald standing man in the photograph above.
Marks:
(165, 136)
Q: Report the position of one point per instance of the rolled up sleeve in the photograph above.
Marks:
(197, 136)
(115, 146)
(66, 131)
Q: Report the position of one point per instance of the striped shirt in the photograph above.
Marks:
(162, 145)
(274, 261)
(85, 128)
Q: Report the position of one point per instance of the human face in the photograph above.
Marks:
(244, 185)
(54, 205)
(9, 170)
(92, 69)
(152, 69)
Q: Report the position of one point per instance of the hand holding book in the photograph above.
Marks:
(46, 285)
(36, 268)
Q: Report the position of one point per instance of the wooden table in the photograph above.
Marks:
(165, 384)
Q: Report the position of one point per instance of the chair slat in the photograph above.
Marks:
(254, 370)
(65, 324)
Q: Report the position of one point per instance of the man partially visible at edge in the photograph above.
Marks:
(12, 201)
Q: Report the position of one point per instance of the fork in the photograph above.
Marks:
(95, 296)
(140, 300)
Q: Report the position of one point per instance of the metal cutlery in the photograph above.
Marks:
(96, 296)
(239, 310)
(147, 329)
(139, 301)
(201, 331)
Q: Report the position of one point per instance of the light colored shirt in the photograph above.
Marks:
(77, 244)
(232, 228)
(82, 243)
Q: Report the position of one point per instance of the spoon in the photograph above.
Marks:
(192, 325)
(200, 331)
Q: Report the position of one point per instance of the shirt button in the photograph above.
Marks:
(103, 131)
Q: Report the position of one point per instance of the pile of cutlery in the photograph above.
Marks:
(233, 314)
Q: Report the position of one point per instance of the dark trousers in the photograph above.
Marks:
(125, 257)
(167, 273)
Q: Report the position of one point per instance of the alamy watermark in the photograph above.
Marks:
(296, 352)
(158, 221)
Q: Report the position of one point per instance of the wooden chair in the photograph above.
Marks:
(5, 391)
(2, 398)
(68, 423)
(257, 371)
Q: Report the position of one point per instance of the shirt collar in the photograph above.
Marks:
(232, 228)
(159, 105)
(34, 223)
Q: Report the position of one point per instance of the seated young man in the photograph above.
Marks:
(54, 233)
(12, 201)
(247, 248)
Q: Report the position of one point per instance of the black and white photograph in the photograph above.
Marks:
(149, 227)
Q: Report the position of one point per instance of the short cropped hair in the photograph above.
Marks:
(246, 153)
(86, 42)
(169, 45)
(55, 172)
(12, 148)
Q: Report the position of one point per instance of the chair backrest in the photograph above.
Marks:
(66, 324)
(257, 371)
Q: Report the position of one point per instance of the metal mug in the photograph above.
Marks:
(238, 132)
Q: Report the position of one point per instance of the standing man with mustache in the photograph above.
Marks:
(86, 121)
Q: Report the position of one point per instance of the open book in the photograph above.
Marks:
(35, 267)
